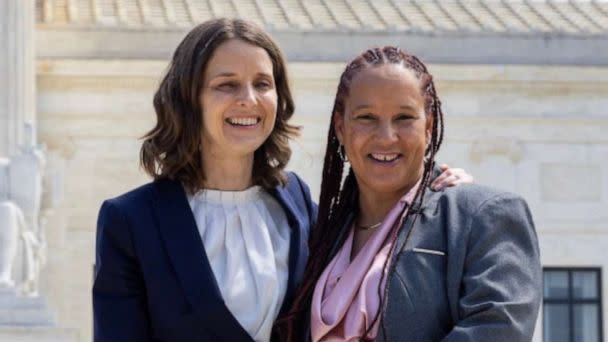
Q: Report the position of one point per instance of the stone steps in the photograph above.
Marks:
(22, 303)
(23, 311)
(25, 317)
(37, 334)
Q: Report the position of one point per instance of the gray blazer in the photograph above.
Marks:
(467, 270)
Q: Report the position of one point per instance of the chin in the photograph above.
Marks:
(249, 143)
(384, 187)
(388, 186)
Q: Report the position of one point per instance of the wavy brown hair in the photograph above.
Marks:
(340, 199)
(172, 149)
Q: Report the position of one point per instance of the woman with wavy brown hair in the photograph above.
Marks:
(214, 247)
(392, 259)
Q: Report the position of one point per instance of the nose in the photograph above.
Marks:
(386, 132)
(246, 96)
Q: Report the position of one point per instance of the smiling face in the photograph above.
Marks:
(238, 100)
(384, 129)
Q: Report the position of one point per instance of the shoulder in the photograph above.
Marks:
(473, 207)
(299, 193)
(131, 214)
(296, 187)
(487, 214)
(294, 179)
(139, 203)
(474, 197)
(132, 200)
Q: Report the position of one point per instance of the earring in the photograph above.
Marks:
(427, 153)
(342, 154)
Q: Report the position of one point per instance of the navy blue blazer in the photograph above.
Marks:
(153, 281)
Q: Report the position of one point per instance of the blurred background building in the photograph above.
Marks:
(524, 84)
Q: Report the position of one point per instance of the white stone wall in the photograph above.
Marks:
(537, 131)
(90, 116)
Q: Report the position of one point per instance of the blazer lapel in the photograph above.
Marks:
(298, 251)
(187, 254)
(408, 224)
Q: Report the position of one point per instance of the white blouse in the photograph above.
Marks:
(246, 237)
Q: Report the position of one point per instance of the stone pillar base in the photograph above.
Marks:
(27, 319)
(21, 311)
(37, 334)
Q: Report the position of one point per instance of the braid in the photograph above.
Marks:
(339, 199)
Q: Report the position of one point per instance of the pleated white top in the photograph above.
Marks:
(246, 237)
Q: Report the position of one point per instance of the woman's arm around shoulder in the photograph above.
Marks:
(501, 285)
(119, 304)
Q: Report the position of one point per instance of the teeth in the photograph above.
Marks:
(243, 121)
(385, 157)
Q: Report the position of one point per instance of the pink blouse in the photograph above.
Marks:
(346, 298)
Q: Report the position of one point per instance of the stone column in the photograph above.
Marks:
(19, 158)
(17, 98)
(17, 72)
(24, 314)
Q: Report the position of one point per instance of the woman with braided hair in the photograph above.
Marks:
(392, 259)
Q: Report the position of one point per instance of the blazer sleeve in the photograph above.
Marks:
(119, 304)
(500, 289)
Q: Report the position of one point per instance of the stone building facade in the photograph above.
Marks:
(524, 86)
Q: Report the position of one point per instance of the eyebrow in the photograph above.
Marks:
(231, 74)
(366, 106)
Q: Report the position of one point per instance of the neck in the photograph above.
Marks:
(227, 173)
(374, 206)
